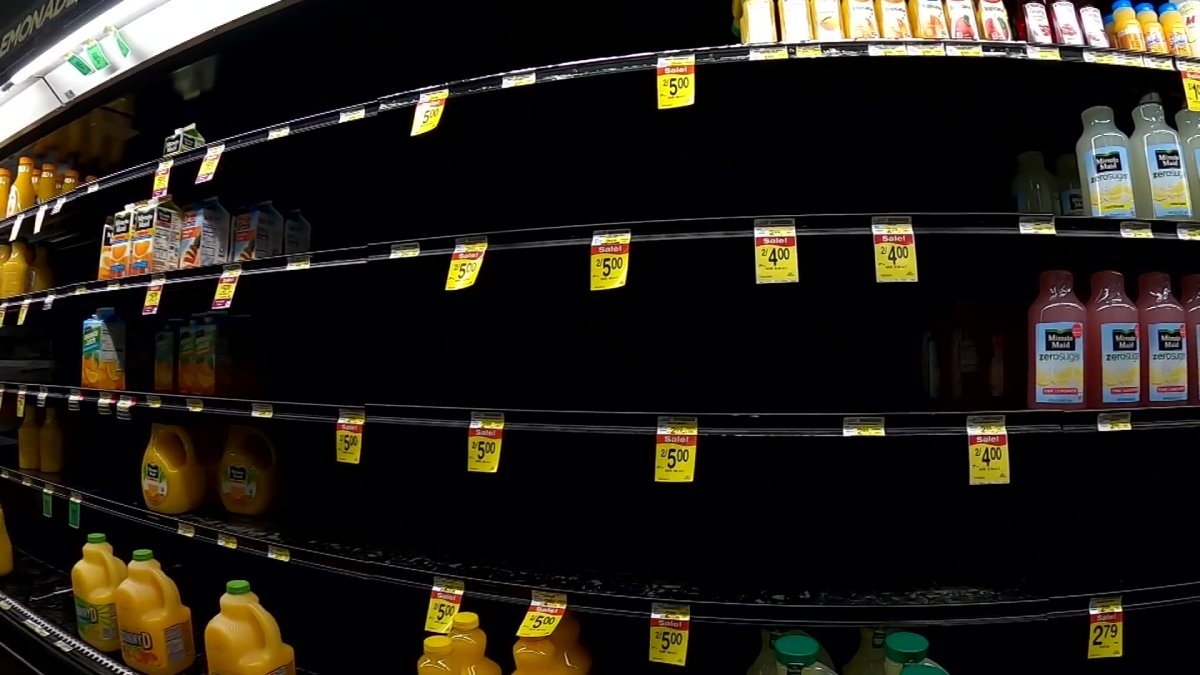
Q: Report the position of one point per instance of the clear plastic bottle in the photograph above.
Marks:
(1164, 341)
(50, 443)
(1191, 309)
(1128, 29)
(795, 654)
(1104, 173)
(1066, 177)
(1033, 187)
(1160, 183)
(905, 649)
(1056, 337)
(28, 454)
(868, 660)
(1113, 356)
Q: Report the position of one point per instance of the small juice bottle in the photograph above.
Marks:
(1152, 30)
(1128, 30)
(50, 443)
(94, 580)
(70, 180)
(1164, 341)
(893, 19)
(438, 658)
(14, 273)
(470, 645)
(1113, 374)
(41, 278)
(1175, 29)
(827, 20)
(858, 16)
(1056, 339)
(5, 186)
(28, 454)
(156, 627)
(993, 21)
(244, 639)
(928, 19)
(794, 23)
(45, 186)
(21, 195)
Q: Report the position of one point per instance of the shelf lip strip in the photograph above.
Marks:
(80, 652)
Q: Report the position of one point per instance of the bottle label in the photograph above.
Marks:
(97, 623)
(1156, 42)
(861, 15)
(1109, 184)
(1093, 27)
(1168, 186)
(154, 484)
(1069, 32)
(1168, 361)
(240, 483)
(828, 19)
(960, 14)
(1130, 38)
(1037, 24)
(1059, 372)
(1120, 360)
(994, 18)
(1178, 40)
(1071, 201)
(795, 21)
(893, 20)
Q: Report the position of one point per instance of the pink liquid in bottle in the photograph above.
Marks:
(1163, 341)
(1113, 373)
(1056, 321)
(1191, 309)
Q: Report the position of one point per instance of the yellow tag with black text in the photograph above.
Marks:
(465, 263)
(1106, 620)
(675, 451)
(543, 616)
(484, 436)
(208, 167)
(987, 438)
(775, 251)
(23, 312)
(226, 287)
(444, 601)
(610, 258)
(669, 628)
(20, 402)
(162, 178)
(153, 295)
(429, 111)
(895, 249)
(349, 435)
(676, 81)
(1191, 90)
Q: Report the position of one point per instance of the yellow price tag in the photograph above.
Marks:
(862, 426)
(895, 249)
(669, 628)
(963, 50)
(153, 295)
(675, 452)
(43, 394)
(444, 601)
(544, 613)
(1107, 628)
(22, 312)
(465, 263)
(208, 167)
(887, 50)
(299, 262)
(227, 540)
(610, 258)
(1036, 225)
(264, 410)
(1132, 229)
(278, 132)
(162, 177)
(3, 311)
(408, 249)
(352, 115)
(1115, 421)
(279, 553)
(154, 401)
(20, 402)
(775, 251)
(1187, 232)
(186, 530)
(769, 54)
(73, 399)
(484, 437)
(226, 287)
(988, 446)
(194, 405)
(518, 80)
(676, 81)
(349, 435)
(1042, 53)
(429, 111)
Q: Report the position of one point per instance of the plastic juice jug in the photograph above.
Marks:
(797, 654)
(5, 186)
(1033, 187)
(470, 645)
(858, 16)
(1056, 341)
(45, 185)
(1128, 29)
(249, 473)
(795, 25)
(993, 20)
(104, 350)
(869, 658)
(893, 19)
(960, 16)
(1152, 30)
(904, 649)
(21, 195)
(14, 273)
(766, 662)
(1066, 178)
(537, 656)
(758, 21)
(244, 639)
(1191, 309)
(1113, 356)
(1104, 171)
(1164, 341)
(576, 658)
(439, 657)
(50, 443)
(1175, 29)
(41, 277)
(1092, 23)
(156, 627)
(928, 19)
(1064, 21)
(28, 454)
(1160, 183)
(94, 579)
(6, 554)
(172, 474)
(827, 20)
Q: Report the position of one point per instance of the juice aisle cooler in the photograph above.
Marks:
(536, 346)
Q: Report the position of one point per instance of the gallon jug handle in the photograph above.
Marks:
(267, 442)
(185, 439)
(169, 591)
(267, 623)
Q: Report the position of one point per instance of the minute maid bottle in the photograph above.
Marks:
(1056, 337)
(1104, 170)
(1160, 185)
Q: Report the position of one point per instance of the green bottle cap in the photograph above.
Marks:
(796, 650)
(906, 647)
(922, 669)
(238, 587)
(143, 554)
(96, 538)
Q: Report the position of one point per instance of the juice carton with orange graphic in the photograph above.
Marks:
(104, 350)
(166, 351)
(928, 19)
(212, 372)
(205, 239)
(257, 233)
(105, 270)
(827, 20)
(156, 230)
(184, 379)
(893, 19)
(297, 233)
(858, 16)
(122, 234)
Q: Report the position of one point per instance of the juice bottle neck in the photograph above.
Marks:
(1155, 286)
(1108, 287)
(1097, 116)
(1057, 284)
(1191, 288)
(1147, 114)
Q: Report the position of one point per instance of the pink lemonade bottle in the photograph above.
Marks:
(1164, 341)
(1191, 310)
(1113, 374)
(1056, 321)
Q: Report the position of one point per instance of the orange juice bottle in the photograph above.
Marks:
(14, 273)
(244, 638)
(6, 556)
(50, 443)
(156, 627)
(45, 185)
(28, 454)
(103, 350)
(70, 180)
(574, 656)
(21, 195)
(249, 473)
(94, 579)
(5, 185)
(470, 645)
(928, 19)
(172, 474)
(537, 656)
(1127, 27)
(893, 19)
(439, 657)
(41, 278)
(105, 270)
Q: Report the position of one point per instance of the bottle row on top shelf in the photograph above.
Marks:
(31, 187)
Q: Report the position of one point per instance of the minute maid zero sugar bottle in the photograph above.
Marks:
(1160, 186)
(1113, 372)
(1056, 321)
(1103, 158)
(1164, 341)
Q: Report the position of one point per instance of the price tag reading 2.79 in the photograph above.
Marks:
(610, 259)
(1106, 628)
(675, 452)
(483, 441)
(895, 249)
(988, 440)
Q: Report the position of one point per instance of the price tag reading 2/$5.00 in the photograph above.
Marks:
(429, 111)
(484, 437)
(153, 295)
(444, 601)
(465, 263)
(162, 178)
(987, 438)
(895, 249)
(676, 81)
(1106, 623)
(349, 435)
(610, 259)
(669, 628)
(226, 287)
(675, 452)
(545, 610)
(775, 252)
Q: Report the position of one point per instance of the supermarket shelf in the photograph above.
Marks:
(614, 597)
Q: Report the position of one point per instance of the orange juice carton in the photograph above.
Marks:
(794, 21)
(827, 20)
(184, 380)
(105, 270)
(858, 16)
(166, 355)
(212, 372)
(893, 19)
(156, 230)
(960, 17)
(928, 19)
(122, 233)
(993, 20)
(297, 233)
(257, 233)
(205, 239)
(104, 350)
(183, 140)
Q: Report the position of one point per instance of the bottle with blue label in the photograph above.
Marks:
(1104, 173)
(1160, 184)
(1164, 341)
(1067, 178)
(1191, 311)
(1056, 340)
(1113, 355)
(1188, 123)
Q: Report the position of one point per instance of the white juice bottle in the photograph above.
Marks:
(1033, 187)
(869, 658)
(1160, 184)
(1103, 157)
(1189, 138)
(905, 649)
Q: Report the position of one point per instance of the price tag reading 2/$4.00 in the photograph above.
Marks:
(153, 295)
(465, 263)
(610, 258)
(675, 452)
(987, 438)
(162, 178)
(545, 610)
(895, 249)
(444, 601)
(775, 251)
(484, 437)
(1106, 636)
(669, 628)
